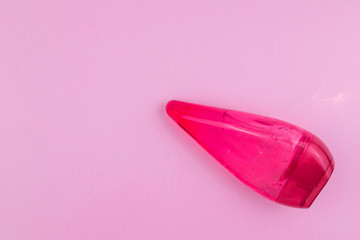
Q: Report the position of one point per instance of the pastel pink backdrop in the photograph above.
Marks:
(87, 151)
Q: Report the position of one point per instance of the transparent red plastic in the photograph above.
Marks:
(281, 161)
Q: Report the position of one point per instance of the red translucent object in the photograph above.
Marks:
(281, 161)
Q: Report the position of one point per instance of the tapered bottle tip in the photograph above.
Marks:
(173, 109)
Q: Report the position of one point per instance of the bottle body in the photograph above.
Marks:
(281, 161)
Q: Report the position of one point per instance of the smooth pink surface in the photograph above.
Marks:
(279, 160)
(86, 148)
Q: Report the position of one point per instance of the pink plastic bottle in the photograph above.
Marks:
(282, 162)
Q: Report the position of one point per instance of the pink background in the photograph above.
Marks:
(87, 151)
